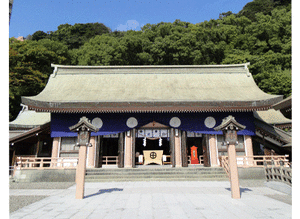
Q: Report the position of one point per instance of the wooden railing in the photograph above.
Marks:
(259, 160)
(256, 161)
(110, 160)
(167, 159)
(201, 160)
(278, 173)
(30, 162)
(224, 163)
(248, 161)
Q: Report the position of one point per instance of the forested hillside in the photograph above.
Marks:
(259, 34)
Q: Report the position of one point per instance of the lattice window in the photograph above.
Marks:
(68, 148)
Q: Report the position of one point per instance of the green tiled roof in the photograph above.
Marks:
(272, 116)
(30, 119)
(142, 88)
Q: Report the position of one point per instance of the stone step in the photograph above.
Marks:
(154, 173)
(134, 170)
(157, 174)
(155, 179)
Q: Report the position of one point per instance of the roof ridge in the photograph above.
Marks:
(151, 69)
(150, 66)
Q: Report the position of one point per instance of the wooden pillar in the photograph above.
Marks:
(213, 150)
(133, 132)
(38, 145)
(80, 172)
(249, 150)
(91, 152)
(172, 146)
(121, 150)
(177, 147)
(83, 129)
(97, 152)
(205, 148)
(184, 149)
(234, 177)
(128, 149)
(230, 127)
(55, 147)
(55, 151)
(100, 151)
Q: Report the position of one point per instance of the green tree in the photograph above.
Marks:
(76, 35)
(30, 67)
(101, 50)
(39, 35)
(256, 6)
(275, 81)
(259, 34)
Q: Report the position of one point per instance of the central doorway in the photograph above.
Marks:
(195, 139)
(152, 140)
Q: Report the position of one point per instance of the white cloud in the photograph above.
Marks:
(130, 25)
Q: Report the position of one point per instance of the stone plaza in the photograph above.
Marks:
(155, 199)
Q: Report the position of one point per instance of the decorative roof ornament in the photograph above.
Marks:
(210, 122)
(84, 124)
(97, 122)
(229, 123)
(131, 122)
(175, 122)
(246, 67)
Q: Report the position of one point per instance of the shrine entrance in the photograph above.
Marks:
(154, 142)
(197, 140)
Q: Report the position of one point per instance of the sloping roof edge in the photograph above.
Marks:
(185, 88)
(28, 119)
(272, 117)
(30, 133)
(285, 103)
(276, 133)
(144, 107)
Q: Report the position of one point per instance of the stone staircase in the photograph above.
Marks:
(156, 174)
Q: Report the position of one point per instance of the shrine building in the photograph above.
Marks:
(168, 110)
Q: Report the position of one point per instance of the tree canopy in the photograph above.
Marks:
(73, 36)
(256, 35)
(30, 67)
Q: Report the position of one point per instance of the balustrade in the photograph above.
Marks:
(29, 162)
(110, 160)
(280, 173)
(277, 167)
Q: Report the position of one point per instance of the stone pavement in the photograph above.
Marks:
(176, 199)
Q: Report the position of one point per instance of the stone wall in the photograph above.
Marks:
(51, 175)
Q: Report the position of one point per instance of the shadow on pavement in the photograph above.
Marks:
(241, 190)
(101, 191)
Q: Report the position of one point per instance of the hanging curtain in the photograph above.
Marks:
(112, 123)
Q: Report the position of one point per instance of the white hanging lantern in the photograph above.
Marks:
(144, 142)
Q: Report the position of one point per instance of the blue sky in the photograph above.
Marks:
(29, 16)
